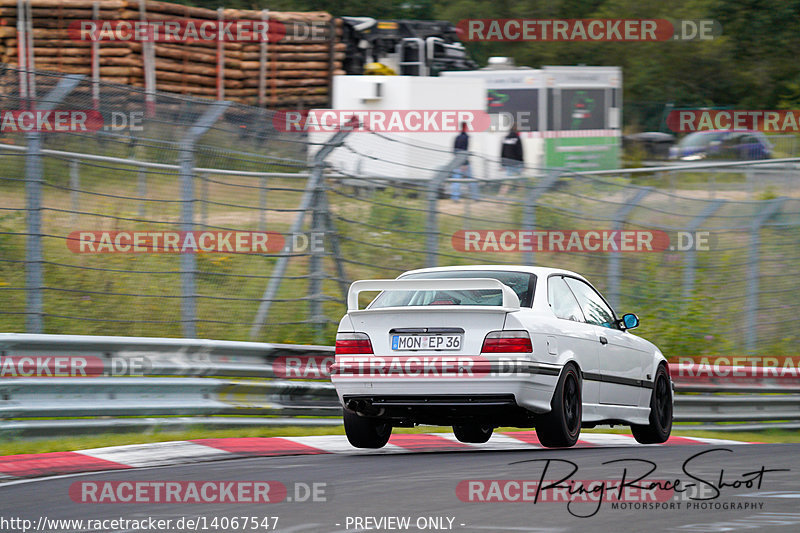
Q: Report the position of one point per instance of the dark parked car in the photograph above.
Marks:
(722, 144)
(655, 144)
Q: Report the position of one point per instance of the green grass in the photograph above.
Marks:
(139, 294)
(14, 447)
(42, 445)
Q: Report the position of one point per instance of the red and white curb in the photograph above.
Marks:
(202, 450)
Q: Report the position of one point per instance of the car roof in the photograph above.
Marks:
(540, 271)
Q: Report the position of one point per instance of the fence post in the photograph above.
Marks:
(614, 270)
(31, 62)
(141, 177)
(74, 185)
(690, 265)
(306, 203)
(203, 199)
(220, 57)
(262, 63)
(432, 223)
(316, 271)
(336, 249)
(751, 305)
(95, 59)
(34, 280)
(189, 260)
(529, 209)
(148, 65)
(33, 250)
(22, 55)
(262, 204)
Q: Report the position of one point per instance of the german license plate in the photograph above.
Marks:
(426, 342)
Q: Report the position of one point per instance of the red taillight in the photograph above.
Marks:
(512, 341)
(350, 343)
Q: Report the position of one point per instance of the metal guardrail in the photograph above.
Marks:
(135, 383)
(166, 357)
(786, 163)
(735, 398)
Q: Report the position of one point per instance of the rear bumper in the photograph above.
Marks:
(524, 392)
(488, 409)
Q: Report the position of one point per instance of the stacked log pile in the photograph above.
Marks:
(297, 67)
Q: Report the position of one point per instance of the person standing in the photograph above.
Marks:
(462, 145)
(511, 153)
(512, 159)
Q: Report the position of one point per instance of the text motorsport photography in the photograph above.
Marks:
(636, 486)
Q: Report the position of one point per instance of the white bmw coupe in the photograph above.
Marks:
(480, 347)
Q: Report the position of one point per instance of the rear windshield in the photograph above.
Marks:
(521, 283)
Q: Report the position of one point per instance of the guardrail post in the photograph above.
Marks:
(529, 209)
(751, 306)
(306, 203)
(614, 270)
(189, 260)
(690, 265)
(34, 280)
(432, 223)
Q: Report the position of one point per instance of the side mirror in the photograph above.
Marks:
(630, 321)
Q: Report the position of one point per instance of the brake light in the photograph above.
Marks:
(511, 341)
(352, 343)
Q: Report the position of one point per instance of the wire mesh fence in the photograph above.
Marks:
(707, 255)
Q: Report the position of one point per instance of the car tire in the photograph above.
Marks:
(365, 432)
(561, 427)
(660, 426)
(473, 433)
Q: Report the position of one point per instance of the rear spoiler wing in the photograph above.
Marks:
(510, 298)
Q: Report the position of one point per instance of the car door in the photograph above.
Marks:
(729, 147)
(621, 363)
(574, 335)
(751, 147)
